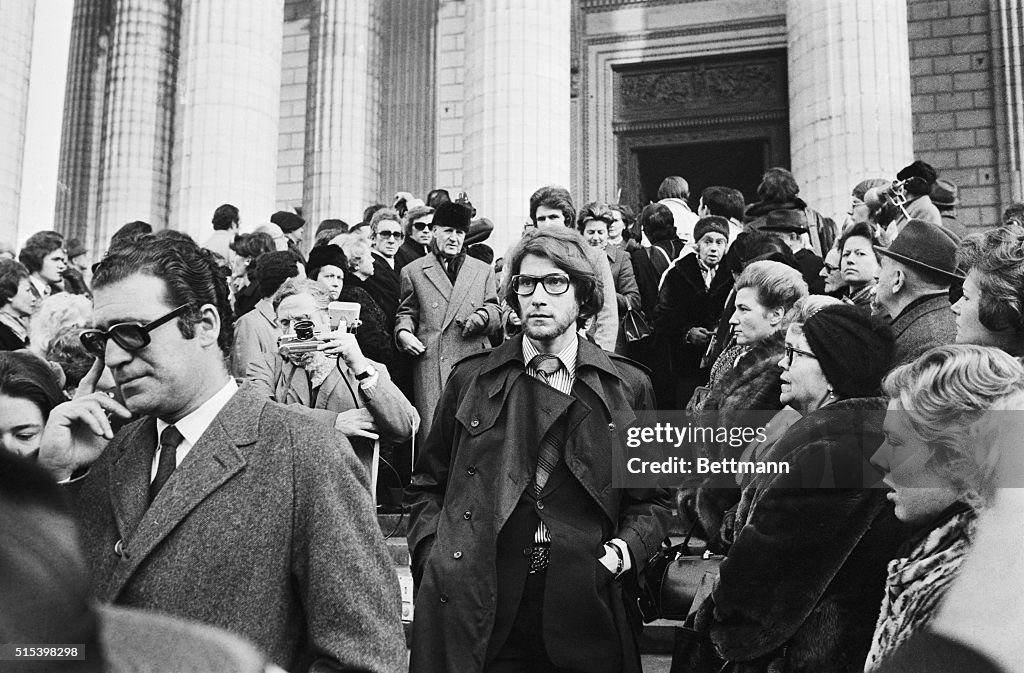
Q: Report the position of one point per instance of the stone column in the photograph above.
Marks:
(517, 108)
(82, 131)
(1011, 117)
(849, 96)
(16, 55)
(138, 116)
(342, 166)
(228, 95)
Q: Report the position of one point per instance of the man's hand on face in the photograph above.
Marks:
(347, 348)
(356, 423)
(408, 343)
(77, 431)
(475, 324)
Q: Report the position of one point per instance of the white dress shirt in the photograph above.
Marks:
(194, 425)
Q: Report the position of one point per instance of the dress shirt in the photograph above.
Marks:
(194, 425)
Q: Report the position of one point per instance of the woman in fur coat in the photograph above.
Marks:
(801, 587)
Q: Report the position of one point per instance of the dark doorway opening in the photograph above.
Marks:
(729, 163)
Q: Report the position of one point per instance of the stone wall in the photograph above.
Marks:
(951, 69)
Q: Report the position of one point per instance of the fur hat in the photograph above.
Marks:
(453, 214)
(713, 224)
(853, 349)
(325, 255)
(288, 222)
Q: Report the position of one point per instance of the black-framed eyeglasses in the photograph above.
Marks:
(391, 234)
(791, 350)
(128, 335)
(554, 284)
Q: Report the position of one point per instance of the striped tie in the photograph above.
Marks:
(550, 448)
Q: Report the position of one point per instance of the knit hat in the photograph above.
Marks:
(713, 224)
(453, 214)
(853, 349)
(288, 222)
(324, 255)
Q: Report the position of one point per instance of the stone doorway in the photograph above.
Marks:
(715, 120)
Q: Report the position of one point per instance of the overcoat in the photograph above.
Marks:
(475, 472)
(266, 529)
(429, 308)
(926, 323)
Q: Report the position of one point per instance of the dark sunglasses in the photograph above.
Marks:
(129, 336)
(790, 351)
(420, 226)
(391, 234)
(554, 284)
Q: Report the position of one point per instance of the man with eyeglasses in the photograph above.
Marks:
(518, 539)
(416, 224)
(385, 285)
(217, 504)
(449, 307)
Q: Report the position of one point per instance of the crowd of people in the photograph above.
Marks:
(203, 425)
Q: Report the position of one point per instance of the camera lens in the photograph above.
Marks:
(304, 330)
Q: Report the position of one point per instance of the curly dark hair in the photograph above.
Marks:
(567, 250)
(224, 217)
(25, 375)
(37, 247)
(556, 198)
(190, 273)
(11, 275)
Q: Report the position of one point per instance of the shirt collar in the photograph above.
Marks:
(567, 355)
(195, 424)
(41, 286)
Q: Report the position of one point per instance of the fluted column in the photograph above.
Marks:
(138, 117)
(228, 95)
(342, 165)
(517, 107)
(16, 55)
(82, 130)
(1011, 48)
(849, 96)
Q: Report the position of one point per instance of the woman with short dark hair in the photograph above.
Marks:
(28, 391)
(17, 304)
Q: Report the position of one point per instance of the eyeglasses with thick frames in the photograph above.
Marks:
(128, 335)
(554, 284)
(391, 234)
(790, 351)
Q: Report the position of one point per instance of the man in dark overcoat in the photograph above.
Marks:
(519, 541)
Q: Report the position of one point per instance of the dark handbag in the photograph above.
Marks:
(676, 582)
(635, 325)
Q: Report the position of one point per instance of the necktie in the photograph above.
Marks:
(170, 438)
(551, 448)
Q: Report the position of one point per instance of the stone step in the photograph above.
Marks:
(393, 525)
(399, 550)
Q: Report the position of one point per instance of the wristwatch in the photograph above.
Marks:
(370, 371)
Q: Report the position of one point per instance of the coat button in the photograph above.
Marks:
(540, 504)
(119, 549)
(444, 598)
(471, 470)
(475, 423)
(527, 551)
(457, 555)
(467, 515)
(611, 426)
(434, 305)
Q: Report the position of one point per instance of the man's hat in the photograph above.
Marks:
(944, 193)
(75, 248)
(927, 246)
(288, 222)
(785, 221)
(453, 214)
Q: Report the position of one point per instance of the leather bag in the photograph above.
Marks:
(676, 582)
(635, 325)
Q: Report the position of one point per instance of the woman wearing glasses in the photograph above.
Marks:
(801, 586)
(28, 391)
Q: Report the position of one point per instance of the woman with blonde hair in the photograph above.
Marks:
(939, 406)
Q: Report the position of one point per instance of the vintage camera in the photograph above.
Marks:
(344, 318)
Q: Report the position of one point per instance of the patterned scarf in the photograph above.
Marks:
(916, 584)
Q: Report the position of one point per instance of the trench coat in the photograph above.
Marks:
(477, 467)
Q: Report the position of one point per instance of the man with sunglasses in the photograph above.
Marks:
(384, 285)
(417, 236)
(216, 504)
(518, 538)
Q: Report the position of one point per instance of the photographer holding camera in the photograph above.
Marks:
(327, 373)
(906, 199)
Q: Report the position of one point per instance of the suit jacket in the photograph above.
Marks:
(283, 382)
(429, 308)
(266, 529)
(474, 512)
(385, 287)
(925, 323)
(256, 334)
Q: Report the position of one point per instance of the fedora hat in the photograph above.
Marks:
(945, 193)
(783, 221)
(927, 246)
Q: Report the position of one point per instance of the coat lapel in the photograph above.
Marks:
(464, 282)
(214, 460)
(434, 272)
(130, 476)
